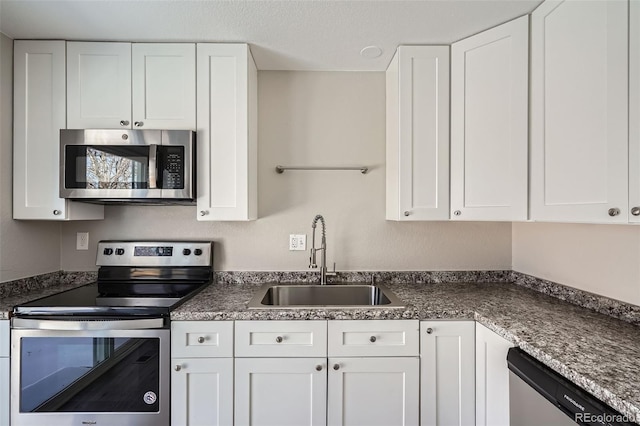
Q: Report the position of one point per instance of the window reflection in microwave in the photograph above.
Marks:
(112, 167)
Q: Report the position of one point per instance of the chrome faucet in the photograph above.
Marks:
(323, 247)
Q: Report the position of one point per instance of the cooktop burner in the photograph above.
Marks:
(134, 278)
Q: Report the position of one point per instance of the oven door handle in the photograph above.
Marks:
(88, 325)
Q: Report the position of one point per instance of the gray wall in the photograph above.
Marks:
(313, 118)
(602, 259)
(26, 248)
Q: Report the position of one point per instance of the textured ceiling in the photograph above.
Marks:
(284, 35)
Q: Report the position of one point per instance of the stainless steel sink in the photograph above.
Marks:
(334, 296)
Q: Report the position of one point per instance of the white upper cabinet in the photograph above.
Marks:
(417, 166)
(164, 85)
(98, 85)
(634, 112)
(39, 114)
(227, 133)
(579, 111)
(124, 85)
(489, 124)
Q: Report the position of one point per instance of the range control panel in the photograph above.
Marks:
(155, 253)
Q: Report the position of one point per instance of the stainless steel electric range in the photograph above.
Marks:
(99, 354)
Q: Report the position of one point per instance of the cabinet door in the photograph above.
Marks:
(202, 391)
(634, 111)
(489, 124)
(418, 134)
(98, 85)
(281, 391)
(373, 391)
(39, 114)
(164, 85)
(4, 392)
(447, 376)
(579, 112)
(492, 378)
(227, 133)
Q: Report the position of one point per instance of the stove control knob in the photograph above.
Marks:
(119, 251)
(197, 252)
(186, 252)
(108, 251)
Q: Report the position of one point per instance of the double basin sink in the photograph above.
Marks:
(315, 296)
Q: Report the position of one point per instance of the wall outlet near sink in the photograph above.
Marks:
(297, 242)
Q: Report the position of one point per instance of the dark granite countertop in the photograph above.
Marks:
(599, 353)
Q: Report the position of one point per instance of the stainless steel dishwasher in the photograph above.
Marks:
(540, 396)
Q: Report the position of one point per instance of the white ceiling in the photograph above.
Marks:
(283, 34)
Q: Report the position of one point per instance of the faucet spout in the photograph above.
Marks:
(323, 248)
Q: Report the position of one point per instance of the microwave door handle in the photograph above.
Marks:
(153, 166)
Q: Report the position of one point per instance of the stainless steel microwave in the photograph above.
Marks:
(128, 166)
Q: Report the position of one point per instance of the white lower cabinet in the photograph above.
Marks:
(202, 374)
(281, 391)
(318, 373)
(448, 373)
(4, 373)
(373, 391)
(492, 378)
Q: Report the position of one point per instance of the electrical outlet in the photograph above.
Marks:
(297, 242)
(82, 241)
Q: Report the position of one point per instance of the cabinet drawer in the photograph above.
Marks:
(194, 339)
(281, 338)
(373, 338)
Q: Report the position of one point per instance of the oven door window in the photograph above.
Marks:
(106, 167)
(89, 374)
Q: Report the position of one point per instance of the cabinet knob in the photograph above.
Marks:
(124, 122)
(318, 368)
(279, 339)
(635, 211)
(138, 123)
(372, 339)
(457, 213)
(614, 212)
(57, 212)
(177, 367)
(204, 212)
(336, 367)
(200, 339)
(429, 330)
(407, 213)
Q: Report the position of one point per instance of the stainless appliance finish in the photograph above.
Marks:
(324, 296)
(128, 166)
(540, 396)
(100, 354)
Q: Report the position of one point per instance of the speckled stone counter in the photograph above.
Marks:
(599, 353)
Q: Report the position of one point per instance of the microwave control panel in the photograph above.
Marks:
(172, 167)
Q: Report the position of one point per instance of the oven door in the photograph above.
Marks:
(89, 373)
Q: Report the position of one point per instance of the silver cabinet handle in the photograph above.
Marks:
(124, 122)
(635, 211)
(336, 367)
(614, 212)
(279, 339)
(457, 213)
(200, 339)
(57, 212)
(138, 123)
(177, 367)
(429, 330)
(407, 213)
(204, 212)
(372, 339)
(318, 368)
